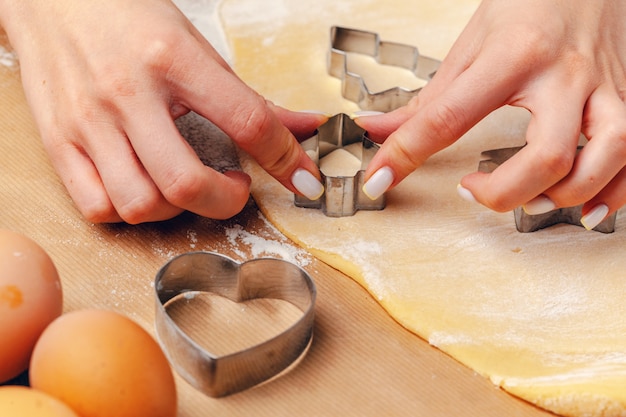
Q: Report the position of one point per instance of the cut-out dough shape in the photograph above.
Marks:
(341, 162)
(540, 314)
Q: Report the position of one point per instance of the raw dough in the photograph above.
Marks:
(381, 77)
(542, 314)
(341, 162)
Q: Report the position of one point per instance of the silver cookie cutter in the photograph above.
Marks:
(346, 40)
(219, 376)
(527, 223)
(343, 195)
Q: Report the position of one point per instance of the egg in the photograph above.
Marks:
(30, 298)
(103, 364)
(27, 402)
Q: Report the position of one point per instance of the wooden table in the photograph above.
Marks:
(361, 362)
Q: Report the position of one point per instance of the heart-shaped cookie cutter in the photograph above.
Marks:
(210, 272)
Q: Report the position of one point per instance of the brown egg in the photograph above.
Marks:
(27, 402)
(103, 364)
(30, 298)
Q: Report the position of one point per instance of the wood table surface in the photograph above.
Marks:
(361, 362)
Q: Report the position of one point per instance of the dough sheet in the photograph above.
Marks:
(540, 314)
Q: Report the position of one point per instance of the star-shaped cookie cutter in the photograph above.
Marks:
(527, 223)
(343, 195)
(346, 40)
(197, 272)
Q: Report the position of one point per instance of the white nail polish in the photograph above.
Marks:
(465, 193)
(378, 183)
(595, 216)
(539, 205)
(317, 112)
(307, 184)
(365, 113)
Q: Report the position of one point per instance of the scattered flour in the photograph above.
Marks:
(193, 238)
(270, 243)
(7, 58)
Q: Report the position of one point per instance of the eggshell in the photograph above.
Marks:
(30, 298)
(103, 364)
(26, 402)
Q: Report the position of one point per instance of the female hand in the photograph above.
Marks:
(105, 80)
(562, 60)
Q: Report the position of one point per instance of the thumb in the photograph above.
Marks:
(380, 125)
(301, 124)
(433, 127)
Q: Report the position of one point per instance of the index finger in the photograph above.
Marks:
(440, 119)
(248, 119)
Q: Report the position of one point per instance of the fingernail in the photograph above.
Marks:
(465, 194)
(378, 183)
(307, 184)
(595, 216)
(539, 205)
(365, 113)
(318, 112)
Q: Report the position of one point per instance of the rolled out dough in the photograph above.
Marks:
(341, 162)
(542, 314)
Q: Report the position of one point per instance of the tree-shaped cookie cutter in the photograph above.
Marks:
(346, 40)
(343, 195)
(527, 223)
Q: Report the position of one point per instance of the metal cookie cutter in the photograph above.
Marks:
(218, 376)
(526, 223)
(344, 40)
(343, 195)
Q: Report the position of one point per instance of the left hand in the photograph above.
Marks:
(563, 61)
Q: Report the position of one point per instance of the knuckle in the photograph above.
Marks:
(182, 188)
(139, 210)
(57, 143)
(112, 80)
(580, 192)
(254, 127)
(156, 54)
(537, 46)
(617, 131)
(557, 161)
(250, 122)
(282, 160)
(99, 211)
(280, 167)
(499, 202)
(447, 121)
(405, 158)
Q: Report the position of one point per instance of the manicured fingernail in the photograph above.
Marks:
(365, 113)
(595, 216)
(318, 112)
(465, 194)
(307, 184)
(378, 183)
(539, 205)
